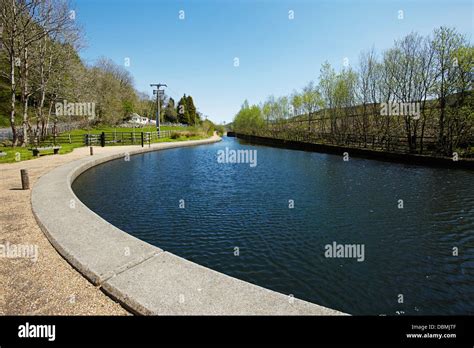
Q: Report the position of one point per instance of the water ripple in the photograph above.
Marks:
(408, 251)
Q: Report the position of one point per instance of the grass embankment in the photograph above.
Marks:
(16, 154)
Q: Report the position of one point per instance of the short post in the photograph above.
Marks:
(102, 139)
(25, 180)
(91, 150)
(142, 138)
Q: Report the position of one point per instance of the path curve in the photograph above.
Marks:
(143, 278)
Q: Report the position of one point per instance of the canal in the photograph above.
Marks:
(360, 236)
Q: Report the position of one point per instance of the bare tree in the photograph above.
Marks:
(55, 54)
(12, 13)
(26, 22)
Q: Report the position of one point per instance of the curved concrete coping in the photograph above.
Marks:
(143, 278)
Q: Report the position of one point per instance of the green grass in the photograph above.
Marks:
(161, 140)
(26, 154)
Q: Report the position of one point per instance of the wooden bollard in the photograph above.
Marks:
(91, 150)
(102, 139)
(25, 180)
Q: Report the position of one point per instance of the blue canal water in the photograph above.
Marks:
(407, 251)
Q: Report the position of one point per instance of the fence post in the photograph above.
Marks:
(102, 139)
(91, 150)
(142, 138)
(25, 180)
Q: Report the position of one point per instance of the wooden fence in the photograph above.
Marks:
(103, 138)
(389, 143)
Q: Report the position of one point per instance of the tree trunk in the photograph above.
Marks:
(13, 100)
(25, 98)
(442, 105)
(12, 75)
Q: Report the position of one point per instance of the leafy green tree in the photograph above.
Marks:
(249, 119)
(193, 117)
(297, 103)
(170, 114)
(446, 44)
(182, 110)
(311, 100)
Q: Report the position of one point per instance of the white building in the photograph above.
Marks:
(138, 120)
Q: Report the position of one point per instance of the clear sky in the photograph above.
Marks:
(277, 55)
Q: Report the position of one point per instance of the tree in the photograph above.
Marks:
(446, 42)
(28, 24)
(10, 13)
(186, 111)
(193, 117)
(311, 101)
(115, 96)
(460, 105)
(266, 109)
(327, 83)
(428, 80)
(296, 102)
(368, 93)
(56, 61)
(249, 119)
(145, 105)
(170, 114)
(182, 110)
(410, 67)
(344, 99)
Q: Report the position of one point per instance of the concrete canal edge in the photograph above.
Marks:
(143, 278)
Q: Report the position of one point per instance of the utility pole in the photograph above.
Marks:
(158, 93)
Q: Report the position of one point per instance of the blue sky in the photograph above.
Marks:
(276, 54)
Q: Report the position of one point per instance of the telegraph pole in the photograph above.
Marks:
(158, 92)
